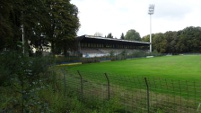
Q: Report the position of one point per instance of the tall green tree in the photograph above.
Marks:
(171, 38)
(146, 38)
(187, 40)
(16, 14)
(190, 37)
(109, 35)
(132, 35)
(34, 17)
(122, 36)
(43, 21)
(9, 23)
(64, 23)
(159, 43)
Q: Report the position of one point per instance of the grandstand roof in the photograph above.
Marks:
(95, 39)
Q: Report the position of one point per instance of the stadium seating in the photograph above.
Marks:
(97, 52)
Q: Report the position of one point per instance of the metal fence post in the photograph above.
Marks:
(108, 86)
(148, 105)
(81, 84)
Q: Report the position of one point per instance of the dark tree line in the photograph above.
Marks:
(187, 40)
(43, 21)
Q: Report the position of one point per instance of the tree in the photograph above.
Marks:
(64, 24)
(159, 43)
(34, 18)
(183, 41)
(14, 14)
(171, 38)
(146, 38)
(5, 24)
(44, 21)
(122, 36)
(8, 24)
(98, 34)
(132, 35)
(109, 35)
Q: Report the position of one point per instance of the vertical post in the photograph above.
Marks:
(23, 39)
(23, 34)
(147, 95)
(108, 86)
(81, 84)
(150, 12)
(150, 36)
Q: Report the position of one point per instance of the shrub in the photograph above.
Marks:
(23, 77)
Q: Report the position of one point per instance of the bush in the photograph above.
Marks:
(10, 66)
(23, 78)
(34, 85)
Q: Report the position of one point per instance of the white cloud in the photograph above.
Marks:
(118, 16)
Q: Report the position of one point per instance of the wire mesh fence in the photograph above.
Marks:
(136, 94)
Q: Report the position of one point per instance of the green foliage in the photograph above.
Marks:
(138, 54)
(44, 21)
(183, 41)
(63, 25)
(112, 56)
(122, 36)
(123, 54)
(23, 77)
(109, 35)
(159, 43)
(159, 111)
(34, 85)
(132, 35)
(102, 106)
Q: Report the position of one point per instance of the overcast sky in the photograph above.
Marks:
(118, 16)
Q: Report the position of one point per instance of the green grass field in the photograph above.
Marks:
(182, 67)
(173, 80)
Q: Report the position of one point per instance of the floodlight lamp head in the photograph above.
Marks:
(151, 9)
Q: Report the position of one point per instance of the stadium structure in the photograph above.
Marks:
(94, 46)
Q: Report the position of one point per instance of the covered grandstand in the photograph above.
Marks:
(92, 46)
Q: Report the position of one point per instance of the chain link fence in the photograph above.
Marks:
(136, 94)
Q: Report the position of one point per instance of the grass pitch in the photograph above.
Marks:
(174, 79)
(181, 67)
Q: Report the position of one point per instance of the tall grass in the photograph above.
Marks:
(34, 84)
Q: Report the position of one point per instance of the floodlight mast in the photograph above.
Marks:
(151, 12)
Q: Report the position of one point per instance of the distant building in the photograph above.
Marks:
(91, 46)
(96, 46)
